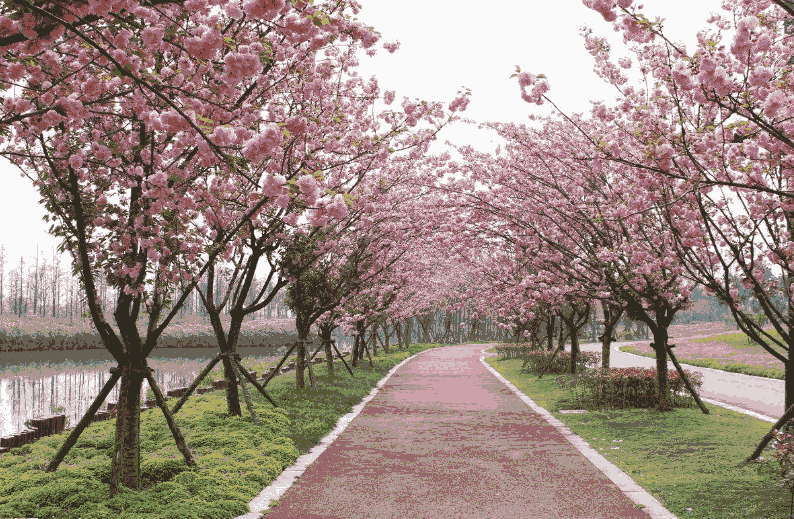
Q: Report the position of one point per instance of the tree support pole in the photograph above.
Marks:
(235, 367)
(316, 352)
(169, 418)
(333, 343)
(196, 383)
(788, 415)
(115, 375)
(278, 367)
(686, 380)
(254, 383)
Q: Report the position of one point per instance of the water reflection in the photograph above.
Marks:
(35, 384)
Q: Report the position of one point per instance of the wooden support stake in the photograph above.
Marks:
(194, 385)
(686, 380)
(254, 383)
(278, 367)
(169, 418)
(559, 349)
(333, 343)
(248, 403)
(788, 415)
(115, 375)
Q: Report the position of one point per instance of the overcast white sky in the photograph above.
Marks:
(445, 45)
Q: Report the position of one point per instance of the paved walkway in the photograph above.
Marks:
(445, 438)
(761, 395)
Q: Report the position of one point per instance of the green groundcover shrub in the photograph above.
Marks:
(230, 453)
(538, 360)
(626, 387)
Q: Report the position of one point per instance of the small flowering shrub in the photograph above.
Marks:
(626, 387)
(538, 360)
(783, 451)
(515, 351)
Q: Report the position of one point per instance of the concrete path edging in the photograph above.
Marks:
(628, 486)
(711, 400)
(280, 485)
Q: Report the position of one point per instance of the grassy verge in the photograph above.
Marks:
(235, 458)
(691, 462)
(733, 367)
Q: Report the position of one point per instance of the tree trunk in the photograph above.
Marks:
(789, 382)
(550, 332)
(612, 314)
(574, 349)
(232, 395)
(299, 361)
(126, 463)
(659, 345)
(397, 328)
(325, 336)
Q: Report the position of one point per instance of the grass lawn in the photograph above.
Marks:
(235, 458)
(690, 462)
(728, 352)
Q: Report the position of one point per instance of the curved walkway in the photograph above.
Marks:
(446, 438)
(764, 398)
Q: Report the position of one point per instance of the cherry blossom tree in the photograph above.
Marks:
(718, 120)
(127, 167)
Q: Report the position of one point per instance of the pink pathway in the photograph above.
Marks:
(445, 439)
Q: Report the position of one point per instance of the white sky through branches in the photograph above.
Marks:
(445, 45)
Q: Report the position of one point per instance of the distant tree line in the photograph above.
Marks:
(41, 286)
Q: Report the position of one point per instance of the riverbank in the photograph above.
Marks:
(38, 335)
(236, 458)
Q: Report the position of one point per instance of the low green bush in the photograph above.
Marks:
(538, 361)
(626, 387)
(515, 351)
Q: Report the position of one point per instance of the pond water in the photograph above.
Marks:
(36, 384)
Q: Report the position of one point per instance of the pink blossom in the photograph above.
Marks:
(103, 153)
(283, 201)
(76, 161)
(238, 65)
(337, 208)
(92, 87)
(388, 97)
(774, 102)
(153, 37)
(297, 125)
(317, 219)
(260, 147)
(223, 136)
(263, 9)
(391, 47)
(233, 11)
(309, 189)
(274, 186)
(459, 104)
(760, 76)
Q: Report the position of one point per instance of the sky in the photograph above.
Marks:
(444, 45)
